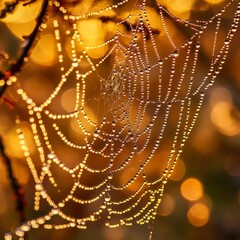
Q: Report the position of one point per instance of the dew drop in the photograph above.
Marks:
(72, 224)
(107, 198)
(55, 211)
(8, 236)
(176, 53)
(19, 232)
(95, 134)
(110, 176)
(38, 187)
(25, 227)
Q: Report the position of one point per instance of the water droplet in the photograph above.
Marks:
(152, 198)
(38, 187)
(51, 156)
(8, 236)
(61, 205)
(75, 64)
(19, 232)
(226, 42)
(103, 206)
(55, 211)
(72, 224)
(95, 134)
(45, 168)
(107, 198)
(110, 176)
(40, 220)
(25, 227)
(176, 53)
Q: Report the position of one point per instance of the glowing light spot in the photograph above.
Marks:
(2, 83)
(93, 37)
(178, 8)
(223, 117)
(21, 29)
(178, 172)
(198, 215)
(23, 14)
(167, 205)
(192, 189)
(220, 94)
(45, 51)
(33, 85)
(154, 19)
(214, 1)
(98, 52)
(75, 129)
(13, 147)
(68, 100)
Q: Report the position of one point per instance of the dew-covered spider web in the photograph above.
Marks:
(152, 88)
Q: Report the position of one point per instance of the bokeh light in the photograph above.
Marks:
(214, 1)
(192, 189)
(21, 30)
(179, 8)
(12, 144)
(44, 52)
(198, 214)
(179, 171)
(93, 37)
(226, 118)
(23, 14)
(68, 100)
(167, 205)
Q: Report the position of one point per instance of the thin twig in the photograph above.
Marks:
(29, 42)
(18, 191)
(14, 69)
(10, 6)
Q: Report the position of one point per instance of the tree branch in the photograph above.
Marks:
(4, 76)
(18, 191)
(10, 6)
(29, 42)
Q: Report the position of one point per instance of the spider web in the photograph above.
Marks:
(124, 114)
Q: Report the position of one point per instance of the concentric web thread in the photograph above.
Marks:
(123, 114)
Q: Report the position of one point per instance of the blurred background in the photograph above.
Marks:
(202, 197)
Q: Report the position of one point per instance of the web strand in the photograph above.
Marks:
(123, 116)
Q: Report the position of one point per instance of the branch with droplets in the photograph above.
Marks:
(7, 77)
(28, 44)
(10, 6)
(18, 191)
